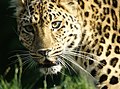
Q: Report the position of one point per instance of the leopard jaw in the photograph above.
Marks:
(51, 70)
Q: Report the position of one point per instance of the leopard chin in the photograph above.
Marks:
(51, 70)
(50, 67)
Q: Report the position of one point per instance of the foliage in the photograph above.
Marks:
(68, 82)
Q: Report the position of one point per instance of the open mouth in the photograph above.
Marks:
(49, 67)
(46, 63)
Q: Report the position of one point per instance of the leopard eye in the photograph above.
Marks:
(29, 28)
(56, 24)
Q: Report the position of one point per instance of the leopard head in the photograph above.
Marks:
(48, 29)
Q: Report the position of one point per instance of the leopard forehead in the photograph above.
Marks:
(42, 16)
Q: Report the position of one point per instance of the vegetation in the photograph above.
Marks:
(67, 82)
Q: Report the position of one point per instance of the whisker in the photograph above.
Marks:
(76, 64)
(81, 56)
(65, 64)
(63, 56)
(86, 53)
(61, 61)
(19, 55)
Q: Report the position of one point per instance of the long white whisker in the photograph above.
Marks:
(74, 62)
(86, 53)
(19, 55)
(81, 56)
(63, 56)
(61, 61)
(65, 64)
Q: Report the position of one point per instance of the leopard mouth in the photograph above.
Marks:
(48, 64)
(49, 67)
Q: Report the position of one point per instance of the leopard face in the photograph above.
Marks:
(48, 31)
(75, 30)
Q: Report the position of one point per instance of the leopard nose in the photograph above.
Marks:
(43, 52)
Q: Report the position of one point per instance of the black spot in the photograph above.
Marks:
(95, 43)
(81, 3)
(104, 87)
(63, 26)
(86, 13)
(102, 40)
(113, 14)
(107, 35)
(113, 61)
(84, 23)
(44, 17)
(102, 17)
(103, 78)
(35, 18)
(88, 50)
(102, 63)
(49, 10)
(93, 72)
(118, 39)
(66, 22)
(108, 50)
(91, 62)
(53, 0)
(115, 3)
(93, 8)
(104, 1)
(108, 53)
(106, 10)
(100, 50)
(63, 16)
(114, 80)
(53, 14)
(59, 13)
(106, 27)
(97, 2)
(75, 36)
(50, 16)
(114, 26)
(99, 27)
(71, 18)
(100, 66)
(113, 37)
(51, 5)
(45, 2)
(31, 9)
(117, 50)
(70, 34)
(109, 71)
(108, 20)
(109, 2)
(71, 3)
(75, 26)
(71, 26)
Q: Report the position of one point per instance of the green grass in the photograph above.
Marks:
(67, 82)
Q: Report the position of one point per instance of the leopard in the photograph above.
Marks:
(82, 33)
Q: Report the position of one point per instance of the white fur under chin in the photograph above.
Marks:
(51, 70)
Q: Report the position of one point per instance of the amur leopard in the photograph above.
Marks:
(85, 33)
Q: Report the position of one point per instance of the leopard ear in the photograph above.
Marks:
(17, 3)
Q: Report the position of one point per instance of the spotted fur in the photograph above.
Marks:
(74, 30)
